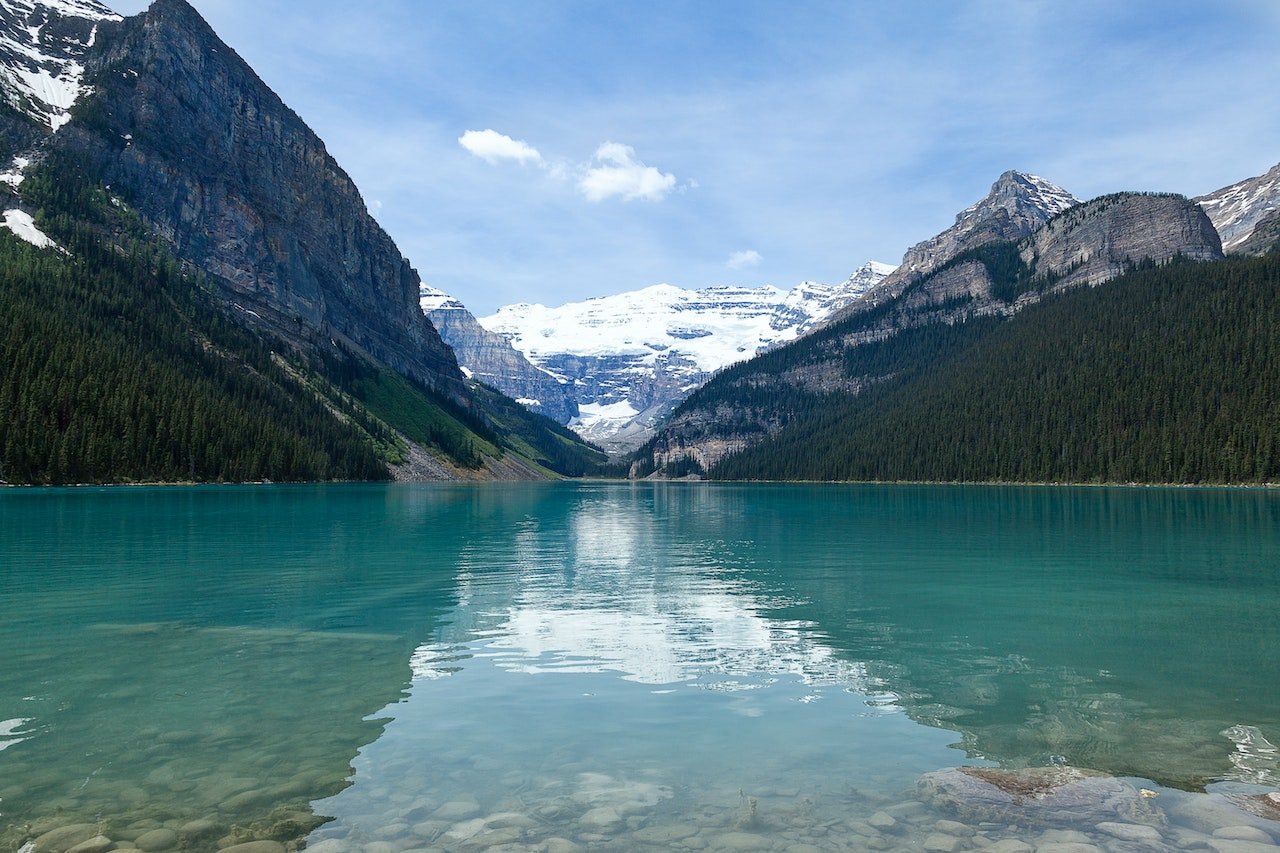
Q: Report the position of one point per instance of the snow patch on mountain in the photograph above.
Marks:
(24, 226)
(1236, 210)
(42, 44)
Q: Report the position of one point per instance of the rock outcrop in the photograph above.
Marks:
(1245, 213)
(1096, 241)
(184, 131)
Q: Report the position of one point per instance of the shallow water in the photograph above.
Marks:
(386, 668)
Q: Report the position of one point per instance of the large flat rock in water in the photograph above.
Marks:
(1038, 796)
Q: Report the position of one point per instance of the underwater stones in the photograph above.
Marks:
(64, 838)
(509, 820)
(329, 845)
(941, 842)
(1131, 832)
(743, 841)
(1009, 845)
(952, 827)
(882, 821)
(1243, 833)
(256, 847)
(97, 844)
(1043, 796)
(157, 840)
(601, 818)
(1208, 813)
(665, 834)
(1068, 847)
(560, 845)
(428, 829)
(200, 828)
(1226, 845)
(380, 847)
(457, 810)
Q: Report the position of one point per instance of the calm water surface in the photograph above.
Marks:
(608, 666)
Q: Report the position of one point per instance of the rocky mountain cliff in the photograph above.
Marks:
(630, 358)
(1247, 213)
(190, 137)
(491, 359)
(156, 137)
(1083, 244)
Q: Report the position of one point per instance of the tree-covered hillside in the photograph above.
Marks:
(1168, 374)
(118, 364)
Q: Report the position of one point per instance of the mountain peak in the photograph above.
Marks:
(1016, 192)
(1017, 205)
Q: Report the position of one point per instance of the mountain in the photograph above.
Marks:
(631, 357)
(491, 359)
(1017, 205)
(902, 327)
(1247, 213)
(1166, 374)
(148, 138)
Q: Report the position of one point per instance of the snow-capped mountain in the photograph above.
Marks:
(632, 357)
(42, 47)
(492, 360)
(1237, 211)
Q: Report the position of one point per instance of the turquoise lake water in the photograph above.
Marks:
(608, 666)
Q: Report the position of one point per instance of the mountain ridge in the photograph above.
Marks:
(1084, 244)
(630, 357)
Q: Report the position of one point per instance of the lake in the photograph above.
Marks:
(615, 666)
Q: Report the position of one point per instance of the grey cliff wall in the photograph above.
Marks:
(208, 155)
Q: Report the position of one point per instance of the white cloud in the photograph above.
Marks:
(491, 146)
(619, 173)
(741, 260)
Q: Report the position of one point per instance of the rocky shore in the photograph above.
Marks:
(1037, 810)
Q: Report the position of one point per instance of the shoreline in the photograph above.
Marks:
(680, 481)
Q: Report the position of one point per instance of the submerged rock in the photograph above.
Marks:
(64, 838)
(1208, 813)
(1040, 796)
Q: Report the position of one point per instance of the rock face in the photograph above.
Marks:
(629, 359)
(1245, 213)
(1094, 242)
(491, 359)
(973, 275)
(192, 140)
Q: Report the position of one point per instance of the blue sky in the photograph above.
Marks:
(699, 143)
